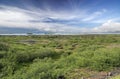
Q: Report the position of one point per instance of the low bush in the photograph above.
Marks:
(4, 46)
(2, 54)
(41, 54)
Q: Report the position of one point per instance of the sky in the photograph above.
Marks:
(60, 16)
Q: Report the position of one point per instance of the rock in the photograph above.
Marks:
(110, 74)
(61, 77)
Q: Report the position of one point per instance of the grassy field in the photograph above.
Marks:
(51, 57)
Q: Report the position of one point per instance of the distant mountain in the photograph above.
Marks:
(7, 30)
(117, 32)
(113, 32)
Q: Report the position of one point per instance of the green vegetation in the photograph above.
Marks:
(49, 57)
(116, 77)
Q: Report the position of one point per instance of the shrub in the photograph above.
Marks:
(1, 66)
(22, 57)
(30, 56)
(2, 54)
(4, 46)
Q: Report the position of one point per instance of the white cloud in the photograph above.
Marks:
(94, 15)
(21, 18)
(109, 26)
(7, 15)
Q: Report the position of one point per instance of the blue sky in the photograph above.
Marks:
(61, 16)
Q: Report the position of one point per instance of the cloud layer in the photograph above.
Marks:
(56, 21)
